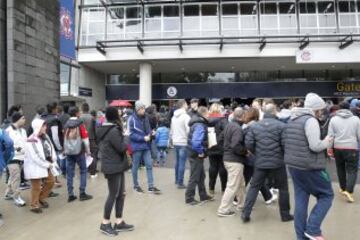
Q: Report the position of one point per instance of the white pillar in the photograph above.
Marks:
(145, 93)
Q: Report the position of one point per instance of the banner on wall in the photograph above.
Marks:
(67, 29)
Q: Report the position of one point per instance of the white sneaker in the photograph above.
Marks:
(272, 199)
(94, 176)
(274, 191)
(19, 202)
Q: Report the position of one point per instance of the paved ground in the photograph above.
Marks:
(162, 217)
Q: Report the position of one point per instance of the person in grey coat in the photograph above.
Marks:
(264, 139)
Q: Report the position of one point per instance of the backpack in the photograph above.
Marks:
(72, 141)
(6, 149)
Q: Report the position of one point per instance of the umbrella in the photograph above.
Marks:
(120, 103)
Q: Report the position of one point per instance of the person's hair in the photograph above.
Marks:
(85, 107)
(300, 103)
(252, 114)
(267, 101)
(238, 113)
(258, 100)
(194, 100)
(334, 108)
(73, 111)
(51, 107)
(93, 113)
(12, 109)
(215, 108)
(344, 105)
(60, 109)
(286, 104)
(270, 108)
(180, 103)
(202, 110)
(40, 110)
(234, 105)
(112, 114)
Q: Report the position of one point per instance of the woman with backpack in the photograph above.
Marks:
(112, 153)
(218, 121)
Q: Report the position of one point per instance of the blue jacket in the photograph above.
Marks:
(162, 137)
(139, 127)
(197, 142)
(6, 149)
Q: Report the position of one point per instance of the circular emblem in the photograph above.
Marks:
(65, 24)
(306, 56)
(171, 91)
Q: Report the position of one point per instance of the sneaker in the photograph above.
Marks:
(287, 218)
(228, 214)
(314, 237)
(8, 197)
(24, 186)
(57, 184)
(123, 227)
(207, 199)
(245, 219)
(94, 176)
(192, 203)
(349, 197)
(85, 197)
(273, 198)
(36, 210)
(154, 190)
(274, 191)
(108, 230)
(138, 190)
(342, 191)
(181, 186)
(72, 198)
(52, 194)
(19, 202)
(44, 204)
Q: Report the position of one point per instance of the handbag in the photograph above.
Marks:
(211, 137)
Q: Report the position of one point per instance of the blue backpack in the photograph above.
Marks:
(6, 149)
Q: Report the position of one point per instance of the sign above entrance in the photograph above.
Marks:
(85, 92)
(172, 91)
(326, 55)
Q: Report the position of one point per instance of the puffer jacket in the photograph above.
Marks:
(139, 127)
(264, 139)
(219, 122)
(162, 137)
(112, 148)
(6, 149)
(198, 139)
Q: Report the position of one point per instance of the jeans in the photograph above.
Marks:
(197, 178)
(217, 167)
(258, 180)
(318, 184)
(347, 168)
(181, 156)
(248, 173)
(70, 172)
(161, 155)
(144, 155)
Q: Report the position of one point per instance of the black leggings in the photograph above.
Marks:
(116, 185)
(217, 167)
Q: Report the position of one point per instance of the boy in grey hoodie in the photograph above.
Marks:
(345, 127)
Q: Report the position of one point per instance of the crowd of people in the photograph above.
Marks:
(251, 148)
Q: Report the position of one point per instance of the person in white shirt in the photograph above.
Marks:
(17, 133)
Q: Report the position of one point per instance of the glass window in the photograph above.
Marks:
(268, 8)
(116, 13)
(153, 12)
(307, 7)
(64, 79)
(171, 11)
(326, 7)
(191, 10)
(248, 9)
(91, 2)
(347, 6)
(287, 8)
(209, 10)
(133, 12)
(230, 9)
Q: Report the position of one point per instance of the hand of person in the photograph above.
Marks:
(330, 152)
(201, 155)
(329, 138)
(147, 138)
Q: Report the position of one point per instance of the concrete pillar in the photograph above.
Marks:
(145, 93)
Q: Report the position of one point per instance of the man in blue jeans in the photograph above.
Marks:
(305, 154)
(179, 132)
(76, 145)
(140, 140)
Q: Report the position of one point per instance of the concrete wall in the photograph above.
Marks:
(33, 53)
(2, 59)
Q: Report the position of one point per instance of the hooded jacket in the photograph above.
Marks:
(139, 127)
(180, 129)
(198, 136)
(6, 149)
(19, 137)
(35, 164)
(162, 137)
(304, 148)
(112, 148)
(345, 127)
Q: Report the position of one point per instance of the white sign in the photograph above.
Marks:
(172, 91)
(350, 54)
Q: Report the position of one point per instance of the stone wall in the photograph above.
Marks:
(33, 53)
(2, 59)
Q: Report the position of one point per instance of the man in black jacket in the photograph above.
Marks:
(234, 157)
(264, 139)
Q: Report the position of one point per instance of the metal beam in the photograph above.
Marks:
(347, 41)
(140, 46)
(263, 44)
(181, 46)
(221, 44)
(304, 43)
(100, 47)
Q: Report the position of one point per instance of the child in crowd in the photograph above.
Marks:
(162, 142)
